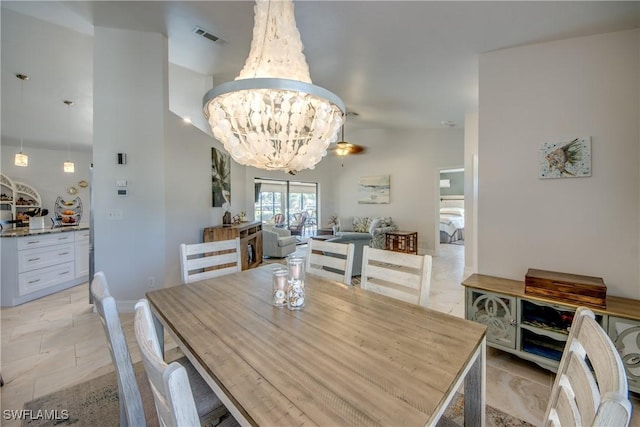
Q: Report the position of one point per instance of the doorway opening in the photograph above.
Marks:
(451, 207)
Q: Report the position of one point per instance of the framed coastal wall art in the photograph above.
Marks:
(221, 179)
(374, 189)
(565, 159)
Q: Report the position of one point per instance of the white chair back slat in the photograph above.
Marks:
(406, 277)
(403, 279)
(212, 261)
(169, 383)
(399, 259)
(200, 248)
(204, 256)
(131, 407)
(329, 255)
(593, 393)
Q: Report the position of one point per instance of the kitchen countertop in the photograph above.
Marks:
(25, 231)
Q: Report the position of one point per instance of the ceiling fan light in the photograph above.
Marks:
(21, 159)
(342, 149)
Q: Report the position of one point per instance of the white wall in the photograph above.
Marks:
(186, 89)
(413, 159)
(188, 197)
(588, 86)
(45, 174)
(130, 108)
(471, 193)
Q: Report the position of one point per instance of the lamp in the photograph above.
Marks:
(68, 166)
(21, 159)
(271, 116)
(342, 146)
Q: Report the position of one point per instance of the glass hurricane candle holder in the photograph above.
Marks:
(295, 289)
(280, 284)
(296, 266)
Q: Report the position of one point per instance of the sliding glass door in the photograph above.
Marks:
(295, 200)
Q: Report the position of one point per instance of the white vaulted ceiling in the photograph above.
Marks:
(398, 64)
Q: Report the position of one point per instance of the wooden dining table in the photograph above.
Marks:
(349, 357)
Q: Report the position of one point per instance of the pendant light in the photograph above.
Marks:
(68, 165)
(271, 116)
(21, 159)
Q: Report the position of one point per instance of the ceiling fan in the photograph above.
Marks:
(344, 148)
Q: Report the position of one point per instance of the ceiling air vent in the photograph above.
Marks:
(204, 33)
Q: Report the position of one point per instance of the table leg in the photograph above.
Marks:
(160, 332)
(475, 390)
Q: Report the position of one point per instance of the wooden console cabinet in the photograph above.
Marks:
(535, 327)
(250, 234)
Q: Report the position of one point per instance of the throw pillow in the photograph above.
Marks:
(375, 223)
(385, 221)
(361, 225)
(346, 223)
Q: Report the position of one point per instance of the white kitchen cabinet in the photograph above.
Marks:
(39, 263)
(82, 253)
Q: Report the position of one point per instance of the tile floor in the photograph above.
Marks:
(57, 341)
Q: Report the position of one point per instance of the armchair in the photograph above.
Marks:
(277, 242)
(298, 226)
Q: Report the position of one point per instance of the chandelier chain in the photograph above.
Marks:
(264, 40)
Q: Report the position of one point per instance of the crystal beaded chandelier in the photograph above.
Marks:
(271, 116)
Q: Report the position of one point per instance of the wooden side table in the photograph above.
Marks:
(402, 241)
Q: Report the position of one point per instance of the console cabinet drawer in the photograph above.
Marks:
(44, 257)
(36, 280)
(44, 240)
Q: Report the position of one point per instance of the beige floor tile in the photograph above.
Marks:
(68, 337)
(516, 366)
(516, 395)
(20, 348)
(38, 328)
(62, 378)
(34, 365)
(93, 351)
(15, 393)
(12, 398)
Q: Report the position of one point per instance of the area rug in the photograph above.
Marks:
(95, 403)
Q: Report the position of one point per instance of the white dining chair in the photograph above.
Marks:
(171, 385)
(131, 406)
(406, 277)
(201, 261)
(331, 260)
(591, 387)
